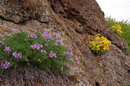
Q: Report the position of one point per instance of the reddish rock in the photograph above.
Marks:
(75, 20)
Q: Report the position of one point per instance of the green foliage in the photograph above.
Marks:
(125, 28)
(29, 50)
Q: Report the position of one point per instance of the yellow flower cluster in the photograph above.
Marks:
(117, 28)
(99, 44)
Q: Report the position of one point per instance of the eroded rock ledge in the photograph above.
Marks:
(75, 21)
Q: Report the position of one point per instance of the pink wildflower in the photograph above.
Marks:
(5, 65)
(43, 52)
(17, 55)
(47, 36)
(32, 36)
(52, 54)
(36, 46)
(7, 49)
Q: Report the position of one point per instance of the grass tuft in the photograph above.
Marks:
(125, 24)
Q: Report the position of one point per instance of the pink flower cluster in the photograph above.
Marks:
(43, 52)
(47, 36)
(17, 55)
(7, 49)
(36, 46)
(32, 36)
(5, 65)
(69, 53)
(46, 45)
(52, 54)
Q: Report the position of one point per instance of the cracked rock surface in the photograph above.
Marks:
(74, 20)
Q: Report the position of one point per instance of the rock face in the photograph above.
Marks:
(74, 20)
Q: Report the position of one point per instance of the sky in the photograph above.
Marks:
(118, 9)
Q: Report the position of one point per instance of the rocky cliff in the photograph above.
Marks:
(74, 20)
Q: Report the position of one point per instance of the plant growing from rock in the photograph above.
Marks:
(117, 28)
(99, 44)
(23, 49)
(125, 28)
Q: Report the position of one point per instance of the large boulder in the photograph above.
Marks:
(74, 20)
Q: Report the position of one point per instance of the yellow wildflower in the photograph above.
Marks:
(99, 44)
(117, 28)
